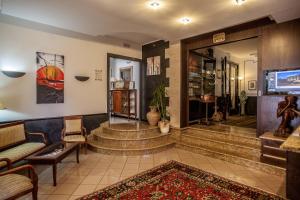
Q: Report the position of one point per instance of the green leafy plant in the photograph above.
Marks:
(159, 101)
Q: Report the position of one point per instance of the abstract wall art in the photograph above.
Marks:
(50, 78)
(153, 66)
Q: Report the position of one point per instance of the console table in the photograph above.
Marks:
(123, 102)
(292, 146)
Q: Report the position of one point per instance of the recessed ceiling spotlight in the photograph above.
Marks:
(185, 20)
(240, 2)
(154, 4)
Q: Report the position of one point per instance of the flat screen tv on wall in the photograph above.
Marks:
(282, 82)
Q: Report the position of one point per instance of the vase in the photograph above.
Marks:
(164, 127)
(153, 116)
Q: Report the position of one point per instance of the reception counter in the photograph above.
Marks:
(292, 147)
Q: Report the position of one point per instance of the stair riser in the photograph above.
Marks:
(252, 154)
(273, 161)
(235, 160)
(131, 134)
(130, 152)
(274, 152)
(130, 144)
(226, 137)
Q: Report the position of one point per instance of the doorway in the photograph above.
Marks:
(226, 73)
(123, 88)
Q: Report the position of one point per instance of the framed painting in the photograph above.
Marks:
(49, 78)
(252, 85)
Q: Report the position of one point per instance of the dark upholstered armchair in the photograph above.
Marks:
(74, 131)
(14, 185)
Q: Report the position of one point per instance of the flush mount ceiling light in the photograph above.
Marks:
(185, 20)
(154, 4)
(240, 2)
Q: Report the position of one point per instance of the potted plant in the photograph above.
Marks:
(153, 116)
(159, 100)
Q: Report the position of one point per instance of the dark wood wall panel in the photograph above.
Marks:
(149, 83)
(280, 49)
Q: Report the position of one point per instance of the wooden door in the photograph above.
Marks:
(117, 101)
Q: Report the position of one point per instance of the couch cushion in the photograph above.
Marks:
(13, 184)
(12, 134)
(20, 151)
(74, 138)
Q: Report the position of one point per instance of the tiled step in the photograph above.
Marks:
(233, 159)
(245, 132)
(94, 146)
(130, 134)
(218, 145)
(225, 136)
(104, 140)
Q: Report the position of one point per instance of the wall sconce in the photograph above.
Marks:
(2, 107)
(82, 78)
(13, 74)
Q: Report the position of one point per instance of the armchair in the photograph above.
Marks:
(74, 131)
(13, 185)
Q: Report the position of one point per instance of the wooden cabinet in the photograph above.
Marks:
(123, 102)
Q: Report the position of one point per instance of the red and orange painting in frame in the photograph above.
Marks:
(50, 78)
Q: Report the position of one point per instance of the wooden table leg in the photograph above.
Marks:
(77, 153)
(54, 174)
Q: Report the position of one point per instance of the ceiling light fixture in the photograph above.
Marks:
(240, 2)
(154, 4)
(185, 20)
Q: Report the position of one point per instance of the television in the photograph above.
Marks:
(282, 82)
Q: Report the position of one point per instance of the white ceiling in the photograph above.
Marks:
(133, 20)
(246, 49)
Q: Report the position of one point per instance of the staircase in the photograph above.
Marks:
(119, 140)
(239, 146)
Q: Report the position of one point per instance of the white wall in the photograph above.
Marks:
(116, 64)
(18, 46)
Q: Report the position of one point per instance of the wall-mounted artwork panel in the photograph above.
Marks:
(49, 78)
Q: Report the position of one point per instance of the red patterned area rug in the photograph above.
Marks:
(175, 180)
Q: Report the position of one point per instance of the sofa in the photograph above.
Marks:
(15, 144)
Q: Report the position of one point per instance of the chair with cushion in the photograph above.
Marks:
(74, 131)
(15, 143)
(14, 185)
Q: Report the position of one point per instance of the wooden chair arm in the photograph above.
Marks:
(33, 175)
(40, 134)
(8, 162)
(84, 131)
(63, 132)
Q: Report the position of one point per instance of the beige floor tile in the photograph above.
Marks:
(74, 179)
(73, 197)
(81, 171)
(134, 166)
(46, 188)
(66, 189)
(84, 189)
(97, 171)
(58, 197)
(91, 180)
(133, 160)
(113, 172)
(109, 180)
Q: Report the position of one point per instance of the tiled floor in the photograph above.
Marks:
(96, 171)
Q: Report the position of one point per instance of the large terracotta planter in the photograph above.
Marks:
(153, 116)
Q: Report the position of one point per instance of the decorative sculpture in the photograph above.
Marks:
(287, 110)
(243, 100)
